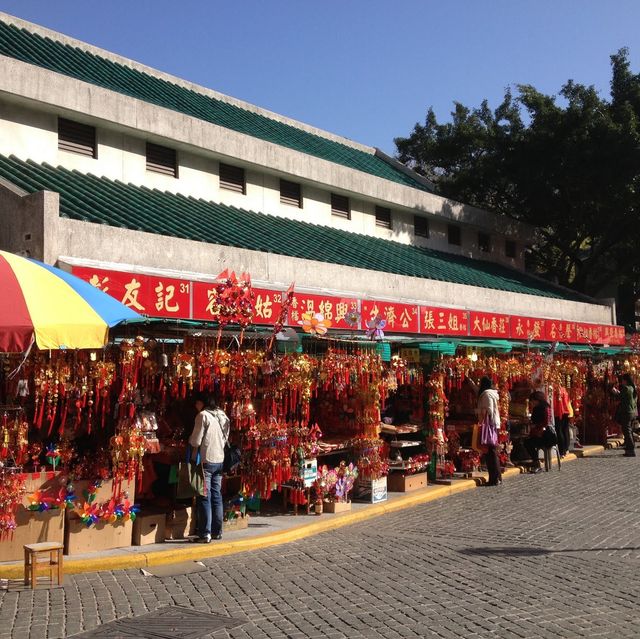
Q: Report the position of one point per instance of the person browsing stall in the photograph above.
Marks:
(210, 434)
(627, 411)
(540, 434)
(489, 412)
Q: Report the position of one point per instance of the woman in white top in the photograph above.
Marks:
(209, 436)
(488, 409)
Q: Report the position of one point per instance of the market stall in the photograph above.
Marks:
(94, 432)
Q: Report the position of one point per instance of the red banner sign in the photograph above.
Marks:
(169, 297)
(443, 321)
(267, 306)
(400, 318)
(334, 309)
(530, 329)
(158, 296)
(599, 334)
(559, 331)
(489, 325)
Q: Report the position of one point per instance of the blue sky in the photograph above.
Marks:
(366, 69)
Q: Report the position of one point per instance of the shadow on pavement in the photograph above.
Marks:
(505, 551)
(509, 551)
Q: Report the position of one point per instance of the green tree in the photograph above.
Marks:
(568, 164)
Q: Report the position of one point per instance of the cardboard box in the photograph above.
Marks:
(373, 491)
(32, 527)
(101, 536)
(104, 492)
(310, 472)
(239, 523)
(149, 529)
(180, 523)
(399, 483)
(336, 506)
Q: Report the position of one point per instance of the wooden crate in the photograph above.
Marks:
(101, 536)
(149, 528)
(32, 527)
(399, 483)
(336, 506)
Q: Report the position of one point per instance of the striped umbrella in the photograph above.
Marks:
(44, 304)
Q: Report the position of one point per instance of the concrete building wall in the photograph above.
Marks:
(31, 98)
(134, 250)
(31, 226)
(31, 134)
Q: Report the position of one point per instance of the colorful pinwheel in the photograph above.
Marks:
(375, 327)
(315, 323)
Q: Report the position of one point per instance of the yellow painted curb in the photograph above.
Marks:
(200, 551)
(588, 451)
(188, 552)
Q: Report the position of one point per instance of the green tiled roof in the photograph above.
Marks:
(103, 201)
(83, 65)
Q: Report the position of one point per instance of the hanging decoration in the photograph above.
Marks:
(287, 301)
(315, 324)
(11, 492)
(352, 319)
(375, 328)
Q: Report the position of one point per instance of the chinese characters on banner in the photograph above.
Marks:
(267, 306)
(489, 325)
(267, 303)
(158, 296)
(334, 309)
(400, 318)
(530, 329)
(443, 321)
(600, 334)
(558, 331)
(613, 335)
(147, 294)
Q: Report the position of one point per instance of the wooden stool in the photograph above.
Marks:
(32, 554)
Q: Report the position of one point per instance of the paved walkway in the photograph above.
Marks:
(551, 555)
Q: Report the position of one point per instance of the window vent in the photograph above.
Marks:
(454, 234)
(161, 159)
(232, 178)
(290, 193)
(484, 242)
(420, 226)
(77, 138)
(340, 206)
(383, 217)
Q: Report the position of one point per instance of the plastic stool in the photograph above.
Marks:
(32, 559)
(548, 458)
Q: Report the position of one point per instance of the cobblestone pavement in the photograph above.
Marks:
(551, 555)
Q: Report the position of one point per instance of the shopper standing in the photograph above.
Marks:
(561, 408)
(210, 433)
(627, 411)
(489, 415)
(540, 435)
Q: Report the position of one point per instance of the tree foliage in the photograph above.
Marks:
(568, 164)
